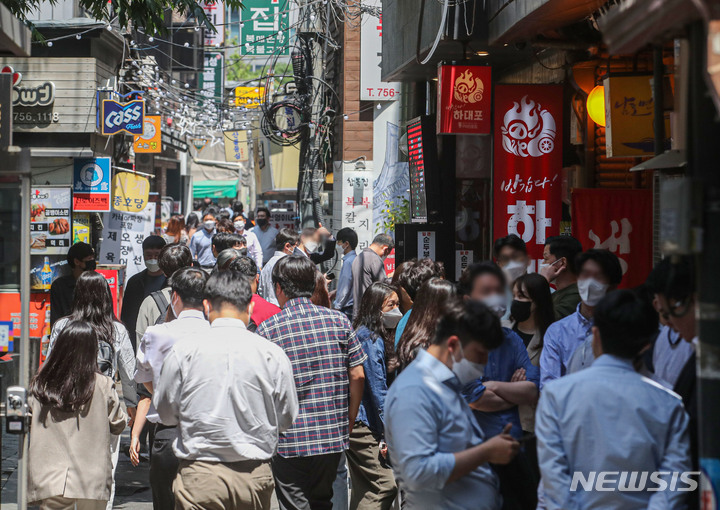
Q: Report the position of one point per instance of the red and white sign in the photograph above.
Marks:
(464, 100)
(527, 183)
(620, 221)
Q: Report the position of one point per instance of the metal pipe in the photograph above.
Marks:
(658, 100)
(24, 379)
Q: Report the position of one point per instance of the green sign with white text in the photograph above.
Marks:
(265, 27)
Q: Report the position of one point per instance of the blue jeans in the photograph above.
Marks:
(340, 486)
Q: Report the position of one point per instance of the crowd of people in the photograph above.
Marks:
(248, 377)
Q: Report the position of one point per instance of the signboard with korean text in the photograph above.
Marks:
(236, 146)
(116, 117)
(283, 219)
(211, 78)
(527, 183)
(426, 245)
(619, 220)
(629, 114)
(91, 184)
(130, 192)
(150, 141)
(464, 100)
(356, 204)
(50, 220)
(372, 88)
(215, 11)
(265, 26)
(249, 97)
(463, 258)
(122, 237)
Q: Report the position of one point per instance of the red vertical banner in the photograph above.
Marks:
(463, 99)
(619, 220)
(527, 170)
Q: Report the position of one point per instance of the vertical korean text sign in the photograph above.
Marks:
(527, 183)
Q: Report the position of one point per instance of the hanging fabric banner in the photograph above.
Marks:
(527, 183)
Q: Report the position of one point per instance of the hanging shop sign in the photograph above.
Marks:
(629, 114)
(620, 221)
(426, 245)
(150, 141)
(130, 192)
(116, 117)
(463, 258)
(249, 97)
(236, 146)
(123, 235)
(91, 185)
(464, 100)
(211, 78)
(527, 183)
(215, 12)
(173, 142)
(41, 95)
(372, 88)
(264, 30)
(50, 220)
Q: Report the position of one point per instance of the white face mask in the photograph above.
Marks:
(311, 246)
(152, 265)
(467, 371)
(391, 318)
(239, 226)
(514, 270)
(209, 225)
(496, 303)
(591, 291)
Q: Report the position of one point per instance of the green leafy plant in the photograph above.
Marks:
(394, 212)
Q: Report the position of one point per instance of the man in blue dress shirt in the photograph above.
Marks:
(439, 454)
(347, 240)
(608, 427)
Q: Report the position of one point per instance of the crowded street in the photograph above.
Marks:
(359, 254)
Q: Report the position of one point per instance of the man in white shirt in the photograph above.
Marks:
(286, 241)
(186, 303)
(231, 394)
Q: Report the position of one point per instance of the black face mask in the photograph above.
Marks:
(261, 222)
(90, 265)
(520, 310)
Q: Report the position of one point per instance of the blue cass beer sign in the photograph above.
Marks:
(117, 117)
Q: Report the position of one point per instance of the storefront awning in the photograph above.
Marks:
(215, 189)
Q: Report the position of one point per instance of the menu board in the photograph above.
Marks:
(50, 225)
(416, 161)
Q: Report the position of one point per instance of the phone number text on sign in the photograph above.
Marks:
(377, 93)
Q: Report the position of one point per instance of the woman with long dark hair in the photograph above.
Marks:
(93, 305)
(175, 230)
(191, 225)
(76, 413)
(321, 296)
(428, 307)
(373, 484)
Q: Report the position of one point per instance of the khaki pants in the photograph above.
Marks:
(61, 503)
(244, 485)
(373, 486)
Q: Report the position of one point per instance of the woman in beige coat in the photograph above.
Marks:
(76, 413)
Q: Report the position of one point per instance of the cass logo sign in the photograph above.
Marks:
(468, 88)
(117, 117)
(528, 130)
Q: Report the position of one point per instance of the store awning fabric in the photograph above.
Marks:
(215, 189)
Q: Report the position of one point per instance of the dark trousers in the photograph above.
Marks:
(305, 483)
(517, 483)
(163, 467)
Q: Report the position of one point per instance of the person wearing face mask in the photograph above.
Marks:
(201, 242)
(80, 258)
(560, 270)
(440, 455)
(369, 267)
(373, 484)
(186, 306)
(254, 248)
(286, 241)
(311, 240)
(509, 380)
(347, 240)
(265, 233)
(142, 284)
(511, 255)
(599, 273)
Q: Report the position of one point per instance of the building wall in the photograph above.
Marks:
(357, 135)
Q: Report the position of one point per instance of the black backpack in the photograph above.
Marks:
(162, 303)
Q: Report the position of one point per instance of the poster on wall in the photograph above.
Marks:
(91, 184)
(357, 205)
(122, 237)
(527, 178)
(50, 232)
(620, 221)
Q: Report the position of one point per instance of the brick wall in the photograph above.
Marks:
(356, 136)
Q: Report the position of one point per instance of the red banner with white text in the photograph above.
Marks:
(527, 170)
(619, 220)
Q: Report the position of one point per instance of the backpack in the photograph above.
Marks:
(162, 303)
(106, 358)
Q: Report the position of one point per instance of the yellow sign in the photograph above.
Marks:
(130, 192)
(236, 146)
(249, 97)
(150, 140)
(81, 227)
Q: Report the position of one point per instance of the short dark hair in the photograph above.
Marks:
(245, 266)
(228, 288)
(512, 240)
(673, 277)
(262, 209)
(627, 323)
(237, 207)
(421, 271)
(210, 211)
(225, 240)
(79, 251)
(608, 262)
(286, 235)
(473, 271)
(224, 224)
(565, 246)
(153, 242)
(384, 240)
(225, 257)
(173, 257)
(295, 275)
(189, 284)
(347, 235)
(471, 321)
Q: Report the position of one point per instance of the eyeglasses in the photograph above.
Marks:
(678, 309)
